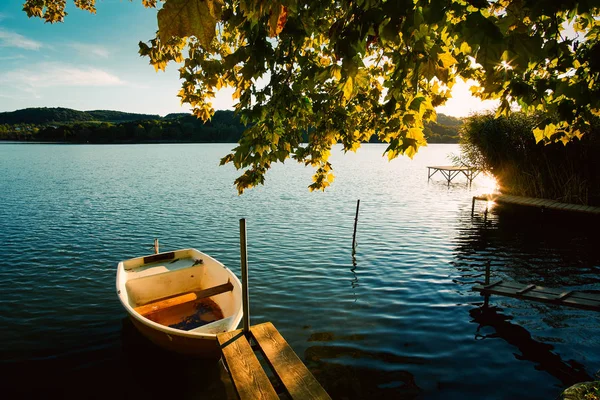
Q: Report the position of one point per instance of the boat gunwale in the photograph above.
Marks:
(166, 329)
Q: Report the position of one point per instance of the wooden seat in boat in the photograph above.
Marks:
(163, 304)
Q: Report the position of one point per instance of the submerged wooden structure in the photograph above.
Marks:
(238, 348)
(571, 298)
(535, 202)
(450, 172)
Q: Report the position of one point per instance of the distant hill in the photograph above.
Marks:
(445, 130)
(48, 115)
(106, 126)
(443, 119)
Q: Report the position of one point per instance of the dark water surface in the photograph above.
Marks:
(398, 321)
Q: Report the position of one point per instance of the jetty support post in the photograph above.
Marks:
(156, 246)
(355, 223)
(244, 262)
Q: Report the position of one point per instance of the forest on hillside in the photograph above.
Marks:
(106, 126)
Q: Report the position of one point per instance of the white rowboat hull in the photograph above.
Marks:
(170, 298)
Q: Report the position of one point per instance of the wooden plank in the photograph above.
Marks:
(552, 292)
(159, 257)
(564, 295)
(544, 295)
(249, 379)
(538, 202)
(493, 284)
(516, 287)
(298, 381)
(526, 289)
(160, 305)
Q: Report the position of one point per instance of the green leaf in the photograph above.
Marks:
(184, 18)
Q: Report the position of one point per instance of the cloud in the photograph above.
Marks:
(13, 39)
(45, 75)
(9, 58)
(89, 49)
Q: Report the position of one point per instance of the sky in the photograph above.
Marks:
(91, 62)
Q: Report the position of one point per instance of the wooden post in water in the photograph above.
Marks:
(156, 246)
(355, 222)
(473, 206)
(244, 262)
(486, 297)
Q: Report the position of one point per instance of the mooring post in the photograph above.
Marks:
(355, 222)
(155, 246)
(244, 261)
(473, 206)
(486, 297)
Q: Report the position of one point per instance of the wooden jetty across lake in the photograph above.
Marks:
(577, 299)
(535, 202)
(450, 172)
(250, 380)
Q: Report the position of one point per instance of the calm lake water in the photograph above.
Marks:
(399, 321)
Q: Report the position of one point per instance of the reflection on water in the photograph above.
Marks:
(541, 354)
(551, 249)
(155, 373)
(353, 381)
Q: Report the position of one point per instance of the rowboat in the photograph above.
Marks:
(180, 300)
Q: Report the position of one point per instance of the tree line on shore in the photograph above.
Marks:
(106, 126)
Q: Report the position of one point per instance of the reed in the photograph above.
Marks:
(506, 148)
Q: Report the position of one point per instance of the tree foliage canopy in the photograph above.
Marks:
(345, 70)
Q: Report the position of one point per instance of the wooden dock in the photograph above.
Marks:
(250, 379)
(238, 347)
(576, 299)
(450, 172)
(534, 202)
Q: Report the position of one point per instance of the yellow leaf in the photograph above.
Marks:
(336, 72)
(416, 134)
(410, 151)
(538, 134)
(330, 177)
(184, 18)
(447, 59)
(465, 48)
(237, 94)
(347, 88)
(392, 154)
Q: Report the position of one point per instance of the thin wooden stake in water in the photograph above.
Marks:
(486, 297)
(355, 222)
(155, 246)
(244, 260)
